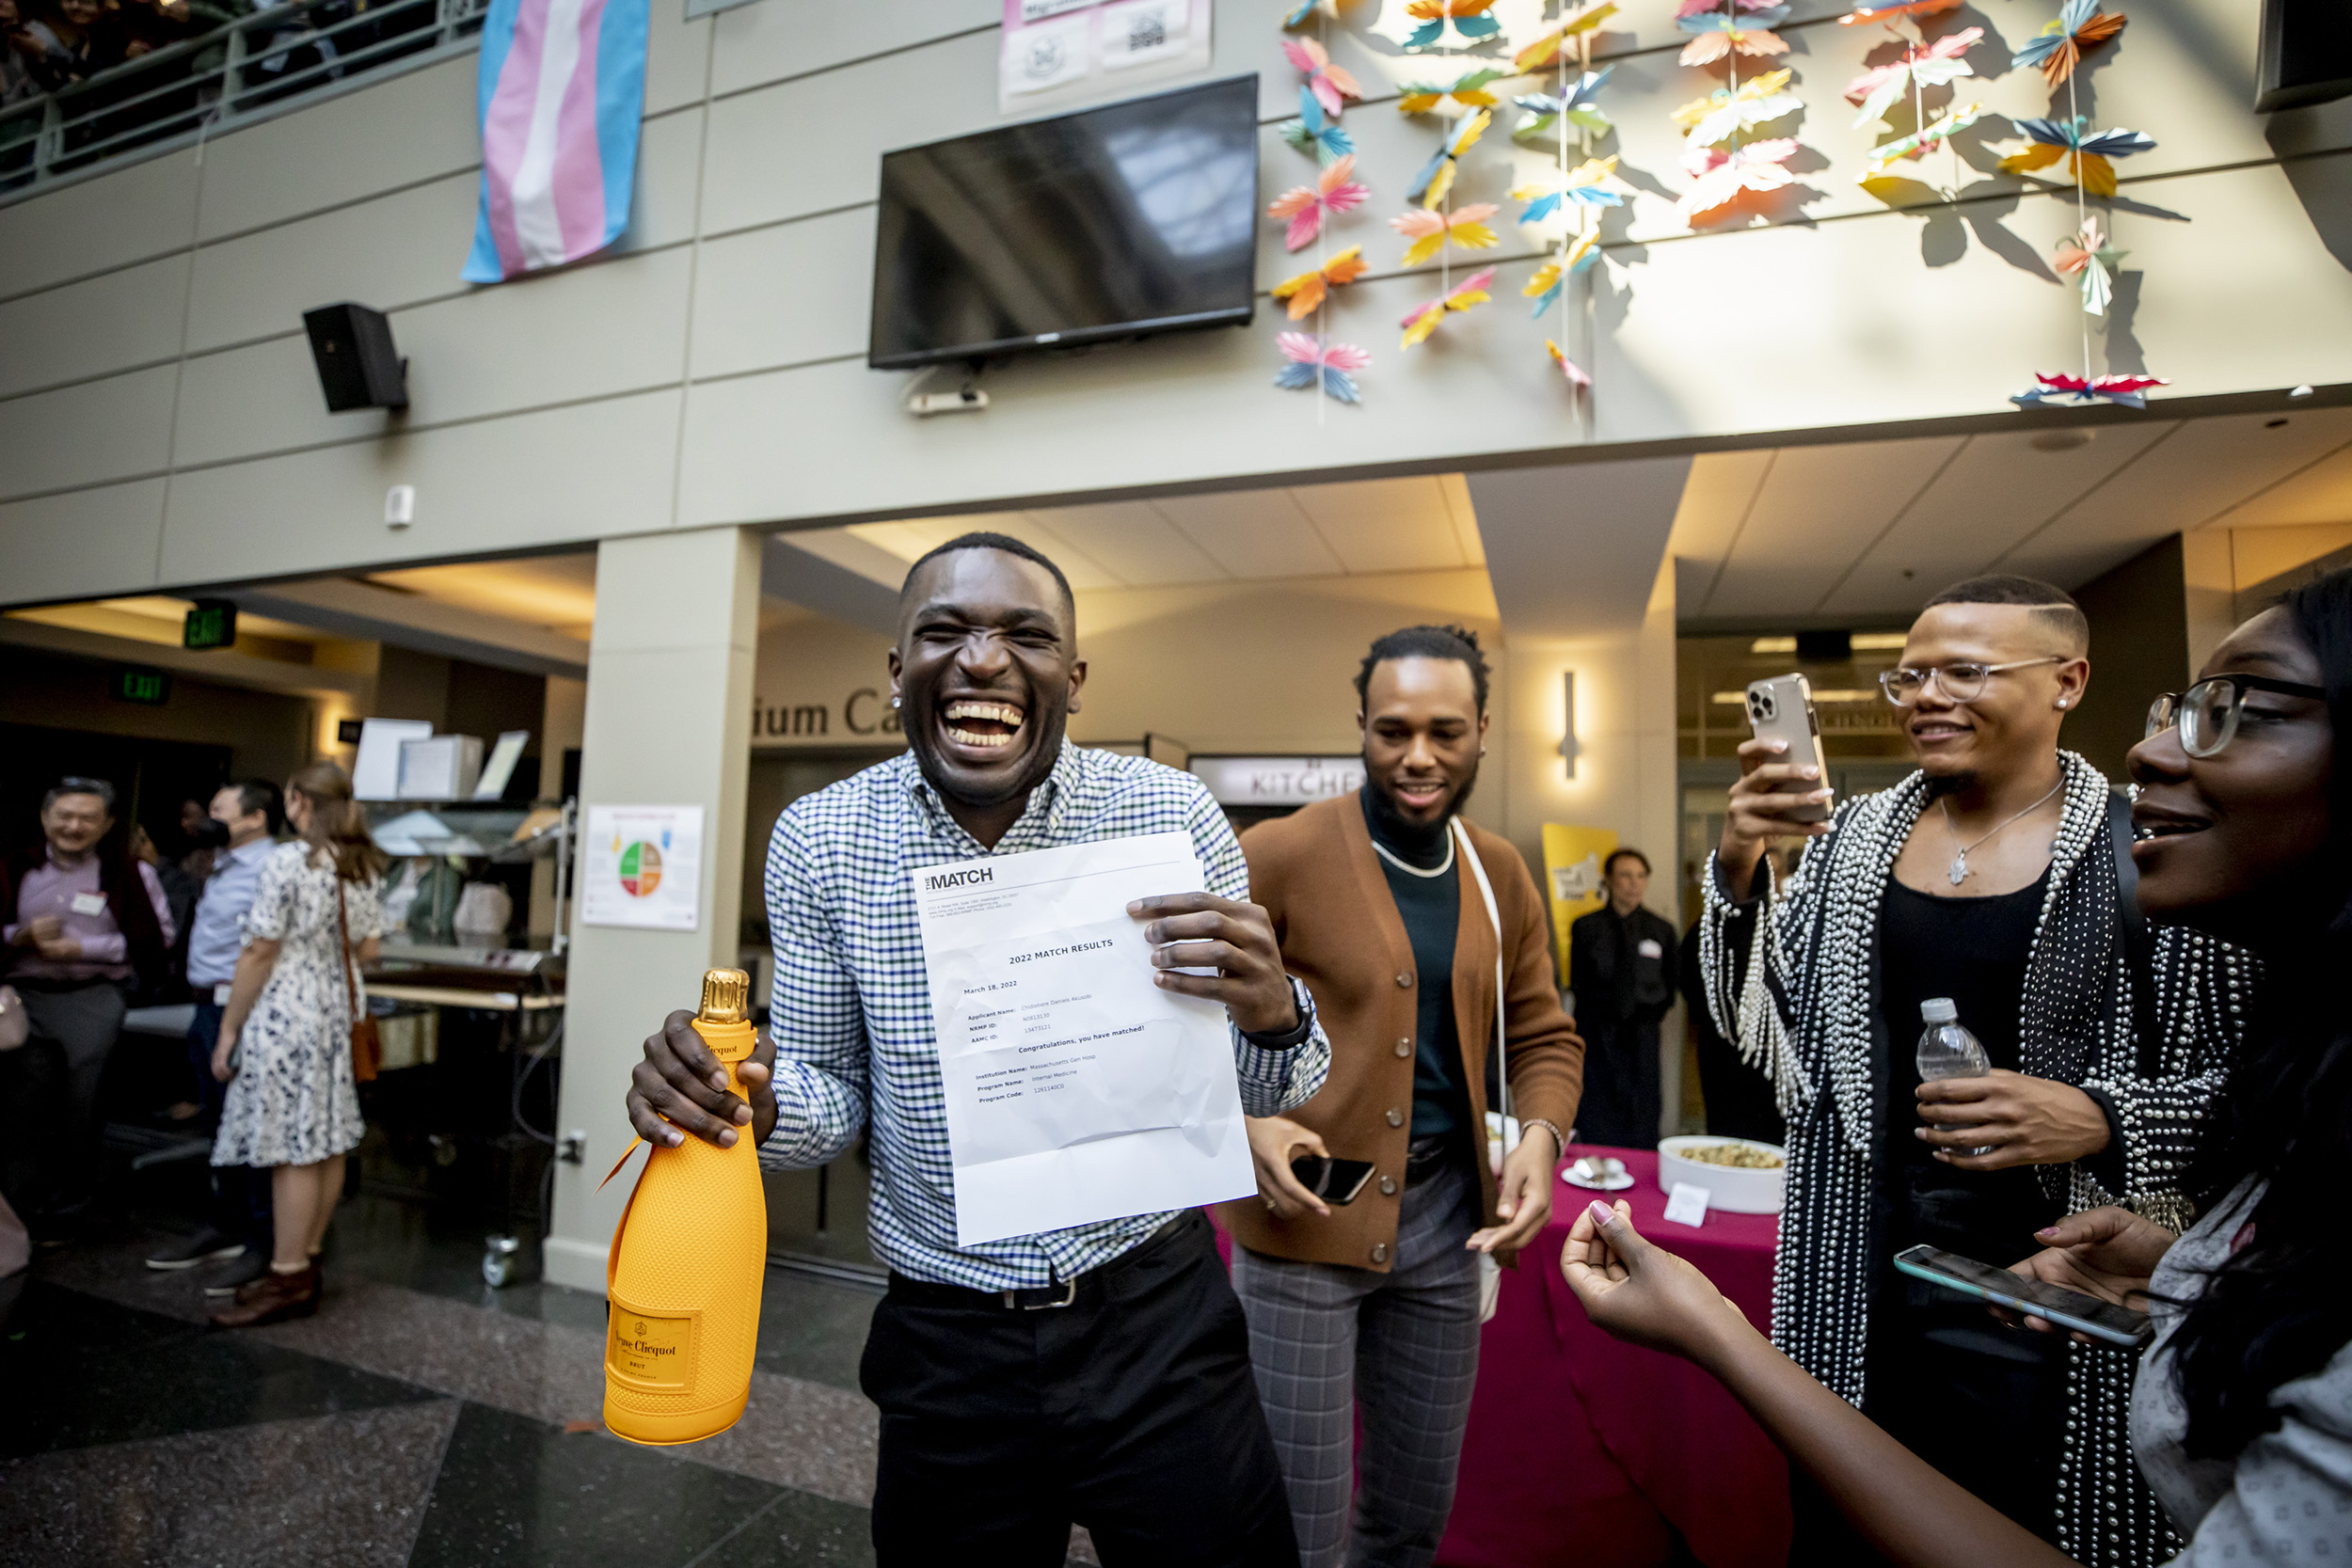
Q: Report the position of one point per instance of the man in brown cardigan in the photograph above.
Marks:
(1380, 911)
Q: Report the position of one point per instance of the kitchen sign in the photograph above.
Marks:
(1278, 781)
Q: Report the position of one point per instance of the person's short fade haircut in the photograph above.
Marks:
(1005, 543)
(1609, 867)
(263, 796)
(2054, 606)
(1455, 642)
(76, 785)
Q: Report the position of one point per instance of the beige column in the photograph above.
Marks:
(667, 723)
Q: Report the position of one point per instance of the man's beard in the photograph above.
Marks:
(1416, 835)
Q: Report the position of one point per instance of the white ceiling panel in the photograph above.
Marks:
(1393, 525)
(1818, 509)
(1464, 514)
(1715, 502)
(2321, 493)
(1131, 541)
(1253, 534)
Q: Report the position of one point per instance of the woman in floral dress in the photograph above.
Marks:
(285, 1035)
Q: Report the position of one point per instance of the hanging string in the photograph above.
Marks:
(1323, 245)
(2074, 120)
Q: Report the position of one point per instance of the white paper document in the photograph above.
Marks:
(1077, 1089)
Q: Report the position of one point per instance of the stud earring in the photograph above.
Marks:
(2061, 702)
(894, 701)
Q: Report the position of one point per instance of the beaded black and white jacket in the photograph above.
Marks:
(1798, 992)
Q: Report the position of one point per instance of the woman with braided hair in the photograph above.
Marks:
(2242, 1415)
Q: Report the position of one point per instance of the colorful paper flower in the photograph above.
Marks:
(1331, 365)
(1550, 280)
(2085, 151)
(1894, 9)
(1306, 206)
(1307, 290)
(2081, 26)
(1436, 176)
(1468, 18)
(1932, 134)
(1312, 131)
(1724, 114)
(1567, 367)
(1592, 183)
(1468, 90)
(1545, 52)
(2129, 391)
(1934, 65)
(1723, 175)
(1720, 33)
(1422, 319)
(1431, 230)
(2087, 257)
(1327, 82)
(1545, 110)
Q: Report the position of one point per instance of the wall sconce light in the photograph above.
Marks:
(1568, 747)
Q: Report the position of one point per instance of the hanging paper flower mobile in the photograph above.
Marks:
(1724, 112)
(1306, 206)
(1422, 319)
(1544, 109)
(2129, 391)
(1468, 90)
(1591, 183)
(1307, 290)
(1934, 134)
(1550, 280)
(1436, 176)
(1327, 82)
(2085, 152)
(1937, 65)
(2081, 26)
(1311, 132)
(1721, 32)
(1305, 8)
(1431, 230)
(1545, 52)
(1568, 366)
(1896, 10)
(2087, 258)
(1724, 174)
(1468, 18)
(1333, 365)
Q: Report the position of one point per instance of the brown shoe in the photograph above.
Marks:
(273, 1298)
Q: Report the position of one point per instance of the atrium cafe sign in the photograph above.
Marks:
(864, 717)
(1278, 781)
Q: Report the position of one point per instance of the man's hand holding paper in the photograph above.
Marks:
(1086, 1059)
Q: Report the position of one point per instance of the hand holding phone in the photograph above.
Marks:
(1335, 1181)
(2101, 1320)
(1783, 790)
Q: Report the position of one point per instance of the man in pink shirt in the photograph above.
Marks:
(82, 922)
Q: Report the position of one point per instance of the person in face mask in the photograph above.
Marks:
(1372, 1307)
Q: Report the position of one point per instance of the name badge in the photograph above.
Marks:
(1649, 948)
(89, 903)
(220, 994)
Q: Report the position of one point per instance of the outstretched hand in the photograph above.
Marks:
(1643, 1293)
(1199, 930)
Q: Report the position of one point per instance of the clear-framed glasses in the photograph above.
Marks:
(2208, 712)
(1961, 682)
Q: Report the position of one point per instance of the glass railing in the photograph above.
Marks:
(250, 69)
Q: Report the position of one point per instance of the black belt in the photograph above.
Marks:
(1426, 1157)
(1040, 1298)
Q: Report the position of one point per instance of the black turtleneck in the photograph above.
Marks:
(1431, 908)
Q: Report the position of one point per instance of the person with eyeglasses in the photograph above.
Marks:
(1997, 875)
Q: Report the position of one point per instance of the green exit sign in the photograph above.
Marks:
(211, 623)
(137, 683)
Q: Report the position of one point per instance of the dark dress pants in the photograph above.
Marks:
(1621, 1104)
(1132, 1411)
(56, 1125)
(241, 1200)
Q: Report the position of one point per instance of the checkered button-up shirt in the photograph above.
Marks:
(851, 1012)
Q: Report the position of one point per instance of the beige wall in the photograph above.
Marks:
(160, 423)
(268, 735)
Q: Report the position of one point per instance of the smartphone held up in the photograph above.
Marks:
(1781, 709)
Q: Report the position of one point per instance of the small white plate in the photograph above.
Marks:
(1594, 1176)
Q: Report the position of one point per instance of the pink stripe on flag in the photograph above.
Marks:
(577, 178)
(506, 128)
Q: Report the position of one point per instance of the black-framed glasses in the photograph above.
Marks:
(2208, 712)
(1961, 682)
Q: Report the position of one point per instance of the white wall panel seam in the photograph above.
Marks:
(773, 81)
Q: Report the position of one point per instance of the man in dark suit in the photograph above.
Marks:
(1621, 966)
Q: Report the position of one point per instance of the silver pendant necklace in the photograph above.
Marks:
(1958, 870)
(1411, 870)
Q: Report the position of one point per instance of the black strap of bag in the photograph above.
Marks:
(2139, 943)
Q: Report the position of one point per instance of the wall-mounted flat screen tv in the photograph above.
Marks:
(1134, 218)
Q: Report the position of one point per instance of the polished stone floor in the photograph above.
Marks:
(420, 1417)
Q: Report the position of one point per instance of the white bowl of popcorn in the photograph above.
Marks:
(1740, 1176)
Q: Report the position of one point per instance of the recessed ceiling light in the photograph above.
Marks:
(2062, 440)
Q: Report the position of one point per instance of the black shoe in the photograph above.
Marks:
(252, 1266)
(206, 1246)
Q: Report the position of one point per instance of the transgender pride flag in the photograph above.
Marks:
(562, 88)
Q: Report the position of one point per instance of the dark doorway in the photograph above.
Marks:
(151, 778)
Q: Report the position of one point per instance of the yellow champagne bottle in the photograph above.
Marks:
(683, 1278)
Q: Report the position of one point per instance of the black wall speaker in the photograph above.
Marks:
(357, 365)
(2306, 54)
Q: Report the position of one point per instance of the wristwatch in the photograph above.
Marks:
(1296, 1035)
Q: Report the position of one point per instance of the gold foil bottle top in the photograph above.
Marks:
(726, 994)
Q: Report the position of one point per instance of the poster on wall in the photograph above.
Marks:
(1059, 53)
(642, 866)
(1572, 861)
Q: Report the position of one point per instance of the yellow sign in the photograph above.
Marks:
(649, 1351)
(1572, 862)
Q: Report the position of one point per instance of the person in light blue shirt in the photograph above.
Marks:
(249, 816)
(1097, 1374)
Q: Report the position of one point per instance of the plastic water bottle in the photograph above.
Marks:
(1947, 1049)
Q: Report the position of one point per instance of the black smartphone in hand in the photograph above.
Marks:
(2101, 1320)
(1335, 1181)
